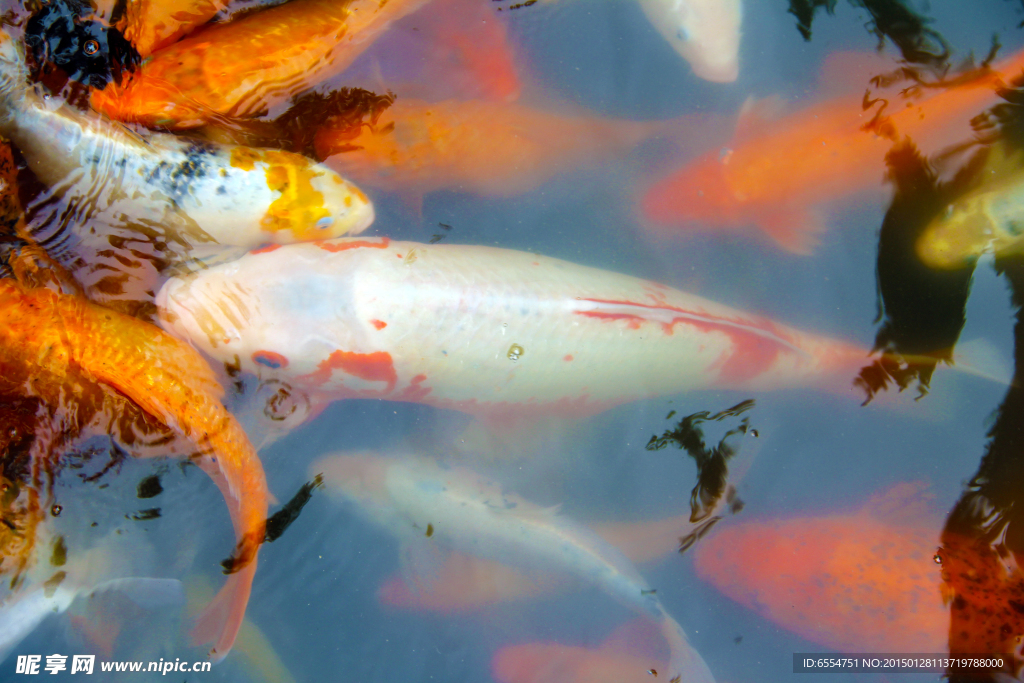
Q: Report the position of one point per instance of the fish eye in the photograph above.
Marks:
(324, 223)
(91, 47)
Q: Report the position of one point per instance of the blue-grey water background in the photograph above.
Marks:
(315, 594)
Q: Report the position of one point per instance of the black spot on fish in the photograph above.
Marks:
(143, 515)
(149, 487)
(283, 518)
(430, 529)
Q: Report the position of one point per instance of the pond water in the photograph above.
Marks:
(838, 545)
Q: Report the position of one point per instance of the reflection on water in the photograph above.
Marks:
(644, 366)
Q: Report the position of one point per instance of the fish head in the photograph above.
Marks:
(312, 202)
(706, 33)
(285, 313)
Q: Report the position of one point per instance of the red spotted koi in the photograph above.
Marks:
(487, 331)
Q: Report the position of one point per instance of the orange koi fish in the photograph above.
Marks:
(286, 49)
(772, 175)
(153, 24)
(52, 334)
(627, 656)
(498, 150)
(851, 582)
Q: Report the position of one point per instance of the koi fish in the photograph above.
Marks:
(498, 150)
(287, 49)
(51, 587)
(465, 582)
(225, 194)
(463, 511)
(706, 33)
(54, 334)
(851, 582)
(773, 173)
(153, 24)
(490, 332)
(989, 218)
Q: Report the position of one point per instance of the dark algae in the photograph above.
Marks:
(279, 522)
(149, 487)
(712, 463)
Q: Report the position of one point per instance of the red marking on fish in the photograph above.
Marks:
(265, 248)
(415, 391)
(379, 324)
(757, 343)
(568, 357)
(372, 367)
(634, 320)
(335, 247)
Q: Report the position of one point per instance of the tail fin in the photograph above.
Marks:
(684, 663)
(220, 621)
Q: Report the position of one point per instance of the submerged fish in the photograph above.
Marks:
(205, 193)
(462, 511)
(250, 65)
(46, 334)
(859, 582)
(989, 218)
(494, 149)
(491, 332)
(774, 173)
(706, 33)
(51, 587)
(465, 582)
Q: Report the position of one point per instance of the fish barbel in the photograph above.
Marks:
(59, 334)
(230, 195)
(491, 332)
(470, 514)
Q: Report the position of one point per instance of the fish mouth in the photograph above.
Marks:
(362, 218)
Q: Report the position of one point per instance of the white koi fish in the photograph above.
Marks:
(706, 33)
(423, 503)
(230, 195)
(491, 332)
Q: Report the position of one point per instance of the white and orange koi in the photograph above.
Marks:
(491, 332)
(230, 195)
